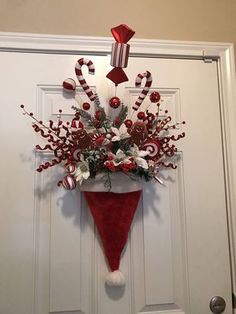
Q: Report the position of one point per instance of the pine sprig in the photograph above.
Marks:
(85, 115)
(122, 115)
(97, 103)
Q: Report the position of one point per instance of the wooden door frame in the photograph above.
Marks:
(222, 52)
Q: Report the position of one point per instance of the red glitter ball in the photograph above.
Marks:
(114, 102)
(128, 123)
(155, 97)
(141, 115)
(151, 117)
(86, 106)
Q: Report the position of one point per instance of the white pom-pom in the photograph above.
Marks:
(115, 278)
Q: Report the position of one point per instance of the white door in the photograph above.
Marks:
(177, 255)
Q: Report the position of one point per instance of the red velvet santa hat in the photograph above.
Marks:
(113, 214)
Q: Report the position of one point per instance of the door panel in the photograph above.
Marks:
(177, 256)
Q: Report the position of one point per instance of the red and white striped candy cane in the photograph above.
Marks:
(145, 90)
(83, 83)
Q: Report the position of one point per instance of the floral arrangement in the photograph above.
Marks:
(95, 144)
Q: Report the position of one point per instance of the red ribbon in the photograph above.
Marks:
(122, 34)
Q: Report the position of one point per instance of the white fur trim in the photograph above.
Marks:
(120, 183)
(115, 278)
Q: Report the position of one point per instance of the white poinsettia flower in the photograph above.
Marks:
(141, 162)
(120, 154)
(82, 171)
(138, 156)
(119, 135)
(120, 158)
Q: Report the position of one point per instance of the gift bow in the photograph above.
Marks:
(120, 53)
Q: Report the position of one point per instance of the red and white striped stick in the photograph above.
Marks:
(83, 83)
(145, 90)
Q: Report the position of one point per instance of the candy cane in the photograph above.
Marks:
(145, 90)
(80, 76)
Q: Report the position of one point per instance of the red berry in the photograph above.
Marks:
(128, 123)
(31, 114)
(60, 110)
(22, 106)
(114, 102)
(155, 97)
(86, 106)
(141, 115)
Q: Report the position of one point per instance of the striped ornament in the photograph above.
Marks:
(145, 90)
(69, 85)
(119, 55)
(83, 83)
(69, 182)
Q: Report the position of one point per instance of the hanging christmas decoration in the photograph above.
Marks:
(109, 159)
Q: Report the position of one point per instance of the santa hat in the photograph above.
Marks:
(113, 211)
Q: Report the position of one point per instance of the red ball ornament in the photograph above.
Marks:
(69, 85)
(114, 102)
(128, 123)
(150, 118)
(155, 97)
(86, 106)
(141, 115)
